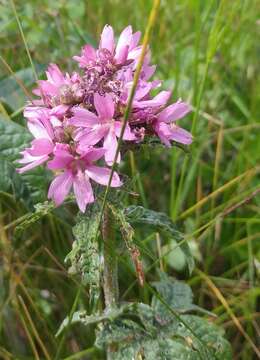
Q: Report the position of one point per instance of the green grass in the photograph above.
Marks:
(207, 51)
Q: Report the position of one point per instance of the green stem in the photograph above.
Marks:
(110, 276)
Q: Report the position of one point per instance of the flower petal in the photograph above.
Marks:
(93, 154)
(110, 144)
(107, 39)
(123, 44)
(168, 132)
(83, 191)
(101, 175)
(54, 74)
(32, 163)
(90, 137)
(174, 112)
(181, 135)
(128, 135)
(41, 147)
(60, 187)
(163, 131)
(159, 100)
(83, 117)
(105, 106)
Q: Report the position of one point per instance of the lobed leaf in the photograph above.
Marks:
(160, 221)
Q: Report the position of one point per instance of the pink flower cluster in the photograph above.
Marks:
(78, 118)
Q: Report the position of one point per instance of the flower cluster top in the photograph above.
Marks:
(78, 118)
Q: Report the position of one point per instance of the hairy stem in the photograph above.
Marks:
(110, 276)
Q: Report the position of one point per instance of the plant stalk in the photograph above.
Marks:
(110, 276)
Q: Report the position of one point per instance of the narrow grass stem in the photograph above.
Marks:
(24, 40)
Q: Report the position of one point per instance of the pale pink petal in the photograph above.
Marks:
(38, 130)
(101, 175)
(164, 133)
(90, 137)
(55, 75)
(60, 187)
(62, 157)
(168, 132)
(41, 147)
(59, 163)
(105, 106)
(83, 191)
(83, 117)
(128, 135)
(142, 90)
(147, 71)
(135, 39)
(181, 135)
(55, 122)
(59, 110)
(89, 53)
(93, 154)
(62, 150)
(159, 100)
(123, 44)
(107, 39)
(135, 53)
(121, 56)
(48, 88)
(174, 112)
(36, 162)
(110, 144)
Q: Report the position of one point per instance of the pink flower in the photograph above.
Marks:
(59, 88)
(77, 172)
(101, 126)
(74, 113)
(126, 49)
(42, 145)
(165, 126)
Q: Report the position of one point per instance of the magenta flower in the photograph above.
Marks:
(76, 112)
(109, 53)
(77, 172)
(97, 127)
(165, 126)
(42, 145)
(59, 88)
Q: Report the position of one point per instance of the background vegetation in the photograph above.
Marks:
(208, 53)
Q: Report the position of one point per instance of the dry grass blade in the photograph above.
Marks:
(34, 349)
(248, 173)
(225, 304)
(34, 330)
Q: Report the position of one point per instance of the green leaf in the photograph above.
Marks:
(11, 92)
(165, 342)
(29, 187)
(82, 317)
(13, 139)
(160, 221)
(209, 339)
(84, 256)
(141, 329)
(177, 295)
(11, 182)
